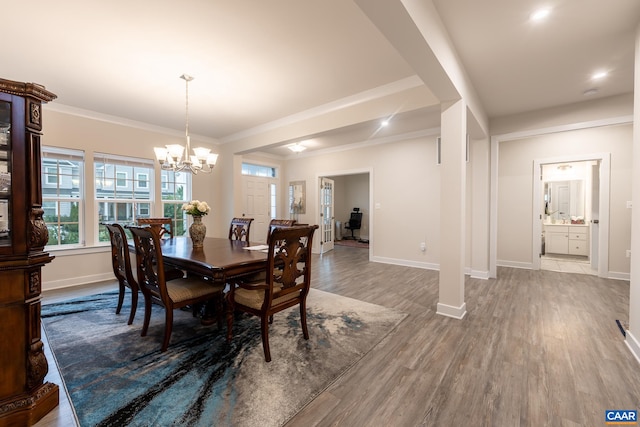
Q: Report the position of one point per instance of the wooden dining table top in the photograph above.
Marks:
(220, 259)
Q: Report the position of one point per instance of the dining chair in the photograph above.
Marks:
(189, 291)
(163, 225)
(279, 223)
(239, 229)
(121, 263)
(286, 283)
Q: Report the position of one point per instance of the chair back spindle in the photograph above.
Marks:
(240, 229)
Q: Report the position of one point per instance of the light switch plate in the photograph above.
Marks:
(629, 204)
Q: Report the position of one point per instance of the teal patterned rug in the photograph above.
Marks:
(117, 378)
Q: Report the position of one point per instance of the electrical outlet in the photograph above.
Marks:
(423, 246)
(628, 253)
(629, 204)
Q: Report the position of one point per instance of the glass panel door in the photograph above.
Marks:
(5, 173)
(326, 214)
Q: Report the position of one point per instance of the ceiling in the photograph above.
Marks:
(258, 63)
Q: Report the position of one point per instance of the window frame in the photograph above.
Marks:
(73, 159)
(255, 169)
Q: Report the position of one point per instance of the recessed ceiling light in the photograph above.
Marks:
(384, 123)
(540, 14)
(599, 75)
(297, 148)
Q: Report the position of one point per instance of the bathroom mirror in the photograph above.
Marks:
(564, 199)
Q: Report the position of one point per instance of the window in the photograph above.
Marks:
(119, 195)
(51, 174)
(274, 199)
(62, 195)
(121, 179)
(258, 170)
(175, 192)
(142, 180)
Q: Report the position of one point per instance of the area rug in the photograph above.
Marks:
(117, 378)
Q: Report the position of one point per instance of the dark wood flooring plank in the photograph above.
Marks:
(536, 348)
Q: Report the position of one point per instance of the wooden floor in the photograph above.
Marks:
(536, 348)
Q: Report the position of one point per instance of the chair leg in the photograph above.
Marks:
(134, 306)
(168, 326)
(121, 291)
(220, 310)
(303, 319)
(229, 320)
(147, 316)
(264, 322)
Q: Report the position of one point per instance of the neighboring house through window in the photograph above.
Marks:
(120, 197)
(63, 195)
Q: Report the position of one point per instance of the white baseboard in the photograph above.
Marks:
(633, 345)
(478, 274)
(406, 263)
(515, 264)
(77, 281)
(450, 311)
(619, 276)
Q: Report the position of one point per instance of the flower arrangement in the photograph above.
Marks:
(196, 208)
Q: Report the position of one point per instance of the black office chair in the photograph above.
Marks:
(355, 222)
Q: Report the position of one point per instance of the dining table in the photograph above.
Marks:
(221, 260)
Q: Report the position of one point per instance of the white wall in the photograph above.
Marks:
(405, 186)
(515, 189)
(102, 134)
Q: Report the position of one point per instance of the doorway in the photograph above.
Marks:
(351, 189)
(568, 209)
(566, 221)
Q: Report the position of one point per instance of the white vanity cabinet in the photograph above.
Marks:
(579, 240)
(556, 239)
(567, 239)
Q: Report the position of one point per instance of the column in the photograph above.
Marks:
(452, 209)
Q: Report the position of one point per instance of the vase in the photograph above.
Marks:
(197, 231)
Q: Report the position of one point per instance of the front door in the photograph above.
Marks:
(326, 215)
(256, 206)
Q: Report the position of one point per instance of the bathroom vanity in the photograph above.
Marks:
(567, 239)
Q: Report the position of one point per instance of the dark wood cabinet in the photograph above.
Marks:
(24, 396)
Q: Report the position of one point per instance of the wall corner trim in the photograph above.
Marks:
(633, 344)
(450, 311)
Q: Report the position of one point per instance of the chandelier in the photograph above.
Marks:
(178, 158)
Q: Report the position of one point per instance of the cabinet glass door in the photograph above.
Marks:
(5, 173)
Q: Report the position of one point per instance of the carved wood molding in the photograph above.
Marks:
(34, 114)
(38, 232)
(29, 401)
(26, 89)
(38, 366)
